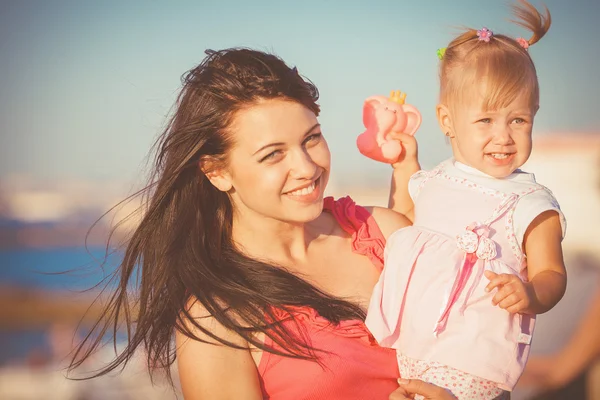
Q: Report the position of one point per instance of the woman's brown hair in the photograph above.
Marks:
(182, 249)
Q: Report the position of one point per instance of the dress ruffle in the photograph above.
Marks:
(309, 317)
(367, 238)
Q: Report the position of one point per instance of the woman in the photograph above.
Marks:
(263, 280)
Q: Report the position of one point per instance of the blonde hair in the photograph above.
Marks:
(502, 64)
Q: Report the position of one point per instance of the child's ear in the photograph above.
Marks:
(216, 173)
(444, 120)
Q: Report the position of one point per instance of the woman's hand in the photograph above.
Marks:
(545, 372)
(409, 387)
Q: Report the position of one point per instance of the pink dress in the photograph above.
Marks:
(356, 367)
(430, 303)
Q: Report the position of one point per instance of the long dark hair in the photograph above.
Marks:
(183, 246)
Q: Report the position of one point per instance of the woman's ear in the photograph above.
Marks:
(216, 173)
(444, 120)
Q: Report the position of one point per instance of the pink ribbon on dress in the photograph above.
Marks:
(476, 244)
(457, 288)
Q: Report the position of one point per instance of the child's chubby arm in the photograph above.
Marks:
(545, 268)
(400, 200)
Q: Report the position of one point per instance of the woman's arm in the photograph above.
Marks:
(584, 346)
(214, 371)
(582, 349)
(400, 200)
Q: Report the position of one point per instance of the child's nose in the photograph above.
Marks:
(503, 136)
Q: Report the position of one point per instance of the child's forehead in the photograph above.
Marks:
(486, 95)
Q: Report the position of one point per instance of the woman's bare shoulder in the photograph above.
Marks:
(389, 221)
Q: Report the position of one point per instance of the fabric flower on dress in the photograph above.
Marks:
(484, 34)
(486, 249)
(468, 241)
(472, 242)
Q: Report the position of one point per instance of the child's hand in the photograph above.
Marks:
(410, 154)
(513, 295)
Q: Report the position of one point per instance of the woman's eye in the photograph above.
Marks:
(313, 138)
(270, 156)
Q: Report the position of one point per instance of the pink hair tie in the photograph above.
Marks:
(524, 43)
(484, 34)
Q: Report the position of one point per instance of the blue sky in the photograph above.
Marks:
(85, 86)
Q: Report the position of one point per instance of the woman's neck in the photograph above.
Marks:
(269, 239)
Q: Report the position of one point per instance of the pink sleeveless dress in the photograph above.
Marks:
(355, 367)
(430, 302)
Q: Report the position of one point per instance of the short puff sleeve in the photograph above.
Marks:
(530, 206)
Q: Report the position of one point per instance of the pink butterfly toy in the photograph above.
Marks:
(382, 116)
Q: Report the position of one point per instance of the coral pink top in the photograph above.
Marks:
(355, 367)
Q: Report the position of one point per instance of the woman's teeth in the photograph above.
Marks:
(304, 191)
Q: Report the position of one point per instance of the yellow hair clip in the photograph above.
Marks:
(441, 52)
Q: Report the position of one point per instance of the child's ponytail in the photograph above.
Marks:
(531, 19)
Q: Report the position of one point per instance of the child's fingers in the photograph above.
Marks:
(503, 292)
(408, 141)
(515, 308)
(489, 274)
(496, 280)
(509, 301)
(403, 137)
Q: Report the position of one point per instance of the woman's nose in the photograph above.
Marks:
(303, 166)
